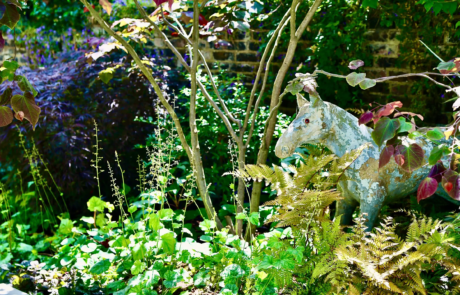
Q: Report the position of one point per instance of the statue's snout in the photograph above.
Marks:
(282, 151)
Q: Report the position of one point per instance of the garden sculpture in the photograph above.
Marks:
(363, 183)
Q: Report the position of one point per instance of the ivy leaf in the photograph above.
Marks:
(26, 104)
(435, 134)
(385, 129)
(367, 83)
(154, 222)
(6, 96)
(6, 116)
(96, 204)
(366, 117)
(106, 5)
(106, 75)
(138, 267)
(354, 78)
(100, 267)
(413, 156)
(11, 16)
(427, 188)
(139, 251)
(171, 279)
(385, 155)
(169, 243)
(354, 64)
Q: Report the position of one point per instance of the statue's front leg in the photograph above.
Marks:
(371, 203)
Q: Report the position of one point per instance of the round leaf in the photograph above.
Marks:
(367, 83)
(100, 267)
(435, 134)
(96, 204)
(154, 222)
(451, 184)
(356, 64)
(139, 251)
(168, 243)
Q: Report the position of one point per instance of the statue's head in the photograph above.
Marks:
(311, 125)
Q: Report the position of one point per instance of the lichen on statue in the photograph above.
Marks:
(363, 184)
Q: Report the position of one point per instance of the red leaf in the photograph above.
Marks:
(399, 159)
(159, 2)
(412, 157)
(385, 155)
(426, 188)
(387, 110)
(456, 68)
(450, 182)
(436, 171)
(366, 117)
(87, 10)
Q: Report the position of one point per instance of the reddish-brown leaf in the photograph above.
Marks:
(387, 110)
(366, 117)
(399, 159)
(6, 116)
(427, 188)
(412, 157)
(455, 69)
(2, 42)
(398, 114)
(450, 182)
(106, 5)
(385, 155)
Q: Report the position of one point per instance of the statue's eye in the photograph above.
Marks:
(307, 121)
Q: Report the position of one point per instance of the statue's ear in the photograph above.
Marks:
(316, 101)
(301, 101)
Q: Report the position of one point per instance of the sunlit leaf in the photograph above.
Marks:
(106, 5)
(435, 134)
(384, 129)
(354, 78)
(96, 204)
(168, 243)
(139, 251)
(427, 188)
(387, 110)
(25, 85)
(138, 267)
(154, 222)
(100, 267)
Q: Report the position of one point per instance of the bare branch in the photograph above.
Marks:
(383, 79)
(308, 18)
(262, 66)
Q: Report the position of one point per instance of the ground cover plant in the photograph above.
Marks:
(151, 210)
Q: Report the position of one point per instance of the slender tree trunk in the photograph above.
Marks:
(277, 86)
(241, 189)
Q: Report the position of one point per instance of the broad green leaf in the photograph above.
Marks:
(241, 216)
(233, 271)
(384, 129)
(207, 225)
(138, 267)
(367, 83)
(151, 277)
(436, 154)
(132, 209)
(413, 156)
(96, 204)
(297, 253)
(11, 65)
(27, 105)
(100, 267)
(254, 218)
(66, 226)
(354, 78)
(435, 134)
(446, 66)
(286, 261)
(154, 222)
(100, 220)
(25, 85)
(171, 278)
(6, 116)
(404, 126)
(89, 247)
(6, 96)
(121, 242)
(139, 251)
(168, 243)
(166, 214)
(415, 134)
(267, 262)
(106, 75)
(11, 16)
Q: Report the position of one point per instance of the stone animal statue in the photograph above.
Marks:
(363, 183)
